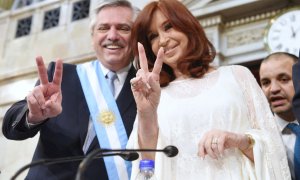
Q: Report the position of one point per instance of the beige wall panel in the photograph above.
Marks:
(15, 91)
(244, 43)
(14, 155)
(54, 43)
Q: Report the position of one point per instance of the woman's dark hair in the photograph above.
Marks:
(200, 51)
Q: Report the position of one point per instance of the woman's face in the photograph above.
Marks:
(163, 34)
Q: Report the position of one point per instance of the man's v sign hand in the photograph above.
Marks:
(44, 101)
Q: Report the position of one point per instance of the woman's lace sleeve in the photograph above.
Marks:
(269, 154)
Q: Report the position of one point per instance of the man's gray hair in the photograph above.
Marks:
(111, 3)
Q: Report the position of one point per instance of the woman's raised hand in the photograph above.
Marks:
(145, 86)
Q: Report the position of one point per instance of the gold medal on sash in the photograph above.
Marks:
(107, 117)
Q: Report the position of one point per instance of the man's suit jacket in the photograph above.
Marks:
(296, 81)
(64, 135)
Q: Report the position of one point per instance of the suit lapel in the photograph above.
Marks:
(125, 98)
(83, 119)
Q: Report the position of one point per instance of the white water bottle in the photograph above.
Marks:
(146, 170)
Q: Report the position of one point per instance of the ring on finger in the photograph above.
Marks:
(214, 140)
(133, 84)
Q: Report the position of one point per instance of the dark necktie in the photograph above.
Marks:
(111, 77)
(296, 130)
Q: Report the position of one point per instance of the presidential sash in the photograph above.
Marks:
(105, 116)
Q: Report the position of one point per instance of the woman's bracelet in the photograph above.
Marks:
(251, 142)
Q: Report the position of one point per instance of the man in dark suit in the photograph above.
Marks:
(61, 107)
(296, 81)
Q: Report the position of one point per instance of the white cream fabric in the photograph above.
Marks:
(229, 99)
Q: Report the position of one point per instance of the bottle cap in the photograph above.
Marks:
(146, 164)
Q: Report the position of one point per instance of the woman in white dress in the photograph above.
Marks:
(218, 117)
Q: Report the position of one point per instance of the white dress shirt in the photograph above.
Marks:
(119, 82)
(289, 140)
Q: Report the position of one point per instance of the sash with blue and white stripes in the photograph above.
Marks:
(105, 116)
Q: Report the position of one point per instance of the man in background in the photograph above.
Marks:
(80, 108)
(276, 82)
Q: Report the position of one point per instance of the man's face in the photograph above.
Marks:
(276, 82)
(111, 37)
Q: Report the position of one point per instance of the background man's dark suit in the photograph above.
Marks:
(65, 134)
(296, 81)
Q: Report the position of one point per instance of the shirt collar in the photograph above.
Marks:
(121, 74)
(283, 123)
